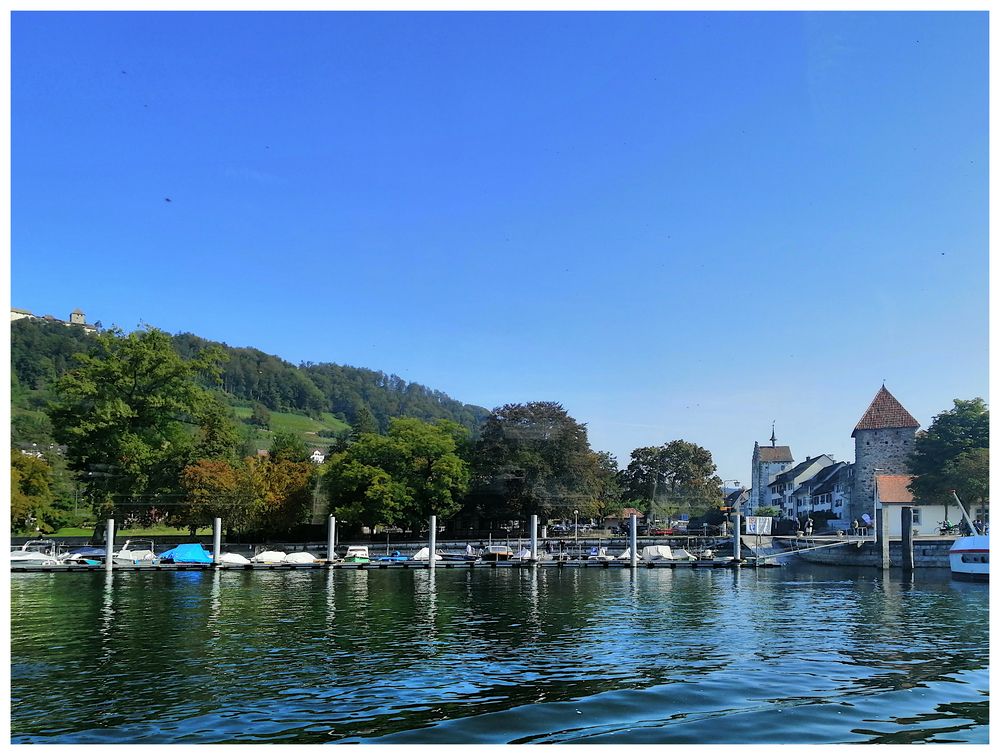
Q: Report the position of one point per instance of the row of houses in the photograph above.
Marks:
(883, 441)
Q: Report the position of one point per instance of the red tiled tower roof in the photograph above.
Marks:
(885, 412)
(775, 453)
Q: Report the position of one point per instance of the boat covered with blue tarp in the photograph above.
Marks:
(188, 553)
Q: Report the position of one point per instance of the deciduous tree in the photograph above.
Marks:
(953, 454)
(129, 413)
(533, 459)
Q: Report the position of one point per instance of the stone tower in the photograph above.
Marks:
(883, 439)
(76, 317)
(767, 463)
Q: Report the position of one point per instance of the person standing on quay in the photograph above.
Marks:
(809, 527)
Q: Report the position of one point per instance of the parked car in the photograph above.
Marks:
(661, 531)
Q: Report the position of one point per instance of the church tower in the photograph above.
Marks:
(883, 441)
(767, 463)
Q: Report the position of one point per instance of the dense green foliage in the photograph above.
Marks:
(170, 426)
(677, 477)
(533, 459)
(41, 352)
(132, 415)
(270, 494)
(399, 478)
(252, 375)
(30, 494)
(953, 454)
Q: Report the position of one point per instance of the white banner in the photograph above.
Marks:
(758, 525)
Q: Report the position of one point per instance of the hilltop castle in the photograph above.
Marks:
(76, 317)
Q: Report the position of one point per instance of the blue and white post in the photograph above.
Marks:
(331, 538)
(633, 541)
(109, 543)
(534, 537)
(432, 545)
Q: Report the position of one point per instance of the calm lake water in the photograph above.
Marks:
(798, 654)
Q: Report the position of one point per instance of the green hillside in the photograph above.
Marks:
(316, 401)
(308, 428)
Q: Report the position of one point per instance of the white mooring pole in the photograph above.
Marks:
(633, 541)
(331, 537)
(737, 551)
(534, 537)
(217, 541)
(432, 545)
(109, 543)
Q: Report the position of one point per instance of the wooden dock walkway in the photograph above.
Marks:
(584, 564)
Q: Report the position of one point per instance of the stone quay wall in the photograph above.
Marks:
(930, 553)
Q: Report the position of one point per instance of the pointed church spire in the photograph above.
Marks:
(773, 439)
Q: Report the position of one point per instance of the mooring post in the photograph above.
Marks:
(633, 541)
(432, 545)
(109, 543)
(882, 533)
(331, 538)
(534, 537)
(737, 550)
(906, 520)
(217, 541)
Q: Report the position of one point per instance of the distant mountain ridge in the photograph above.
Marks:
(41, 352)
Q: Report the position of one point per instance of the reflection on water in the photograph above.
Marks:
(800, 654)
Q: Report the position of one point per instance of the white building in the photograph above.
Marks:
(892, 493)
(787, 493)
(767, 463)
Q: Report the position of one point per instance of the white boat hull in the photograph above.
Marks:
(970, 558)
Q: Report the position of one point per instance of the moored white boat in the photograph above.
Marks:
(424, 555)
(300, 557)
(234, 558)
(132, 553)
(969, 556)
(35, 553)
(270, 557)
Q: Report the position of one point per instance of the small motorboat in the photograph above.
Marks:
(234, 559)
(496, 553)
(357, 554)
(468, 555)
(85, 556)
(132, 553)
(269, 557)
(393, 557)
(300, 557)
(656, 553)
(599, 554)
(187, 553)
(424, 555)
(35, 553)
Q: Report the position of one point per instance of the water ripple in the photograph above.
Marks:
(493, 656)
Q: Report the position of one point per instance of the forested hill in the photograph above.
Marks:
(42, 351)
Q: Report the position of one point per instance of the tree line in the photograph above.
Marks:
(150, 436)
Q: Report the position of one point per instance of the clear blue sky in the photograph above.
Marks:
(679, 225)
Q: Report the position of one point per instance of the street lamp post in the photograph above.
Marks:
(576, 530)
